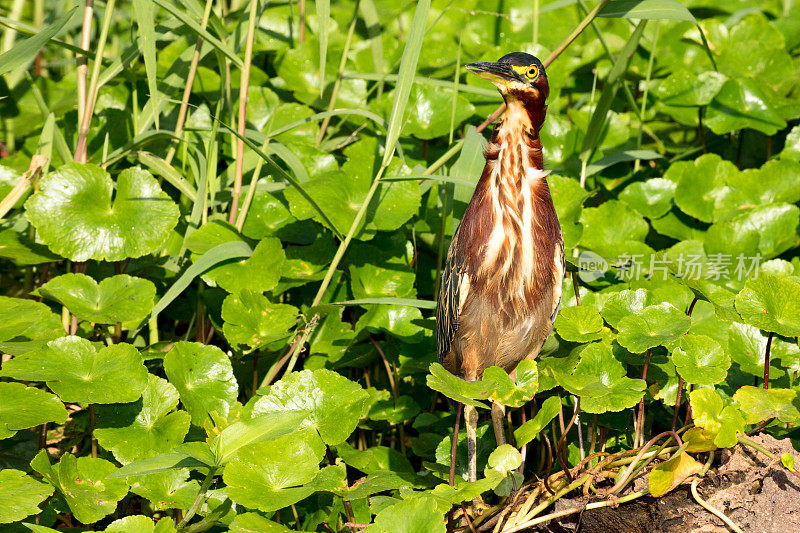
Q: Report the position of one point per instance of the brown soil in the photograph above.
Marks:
(754, 492)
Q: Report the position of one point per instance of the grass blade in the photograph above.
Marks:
(197, 29)
(409, 302)
(647, 9)
(25, 51)
(598, 120)
(218, 254)
(145, 19)
(405, 77)
(168, 172)
(370, 16)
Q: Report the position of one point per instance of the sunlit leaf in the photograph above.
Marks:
(334, 403)
(204, 378)
(77, 217)
(120, 298)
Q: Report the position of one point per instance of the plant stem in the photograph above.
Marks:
(766, 360)
(83, 66)
(573, 510)
(716, 512)
(650, 62)
(91, 97)
(338, 83)
(302, 13)
(187, 90)
(198, 501)
(639, 437)
(243, 86)
(678, 395)
(454, 444)
(91, 430)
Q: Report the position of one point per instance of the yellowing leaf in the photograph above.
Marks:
(672, 473)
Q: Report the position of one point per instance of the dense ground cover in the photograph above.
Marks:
(222, 226)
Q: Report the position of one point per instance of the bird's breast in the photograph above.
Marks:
(520, 236)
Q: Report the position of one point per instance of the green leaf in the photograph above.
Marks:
(204, 378)
(249, 522)
(531, 429)
(75, 370)
(25, 51)
(625, 303)
(405, 77)
(120, 298)
(21, 250)
(485, 445)
(657, 324)
(684, 88)
(748, 345)
(140, 524)
(600, 381)
(791, 149)
(721, 422)
(84, 483)
(671, 473)
(700, 360)
(651, 198)
(257, 429)
(777, 181)
(507, 391)
(619, 157)
(787, 460)
(424, 118)
(21, 495)
(176, 460)
(647, 9)
(760, 404)
(26, 325)
(167, 490)
(770, 303)
(251, 319)
(335, 404)
(214, 256)
(568, 198)
(464, 492)
(767, 230)
(505, 459)
(395, 412)
(23, 407)
(146, 428)
(418, 514)
(703, 190)
(580, 323)
(269, 475)
(744, 103)
(260, 272)
(455, 388)
(610, 239)
(77, 218)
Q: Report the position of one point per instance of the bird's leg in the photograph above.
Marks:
(471, 418)
(498, 415)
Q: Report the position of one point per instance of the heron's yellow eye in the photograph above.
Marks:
(532, 72)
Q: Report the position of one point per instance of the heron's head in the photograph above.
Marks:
(517, 76)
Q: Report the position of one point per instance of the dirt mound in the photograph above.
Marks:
(753, 491)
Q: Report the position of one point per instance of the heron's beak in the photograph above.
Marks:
(498, 73)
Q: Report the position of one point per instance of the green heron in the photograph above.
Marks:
(501, 284)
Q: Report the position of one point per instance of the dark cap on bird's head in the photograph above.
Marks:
(517, 74)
